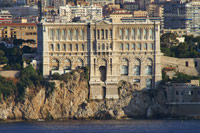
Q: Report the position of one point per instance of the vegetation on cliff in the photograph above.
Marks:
(170, 46)
(12, 57)
(178, 77)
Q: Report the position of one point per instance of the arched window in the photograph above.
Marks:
(136, 70)
(137, 67)
(124, 70)
(124, 66)
(54, 64)
(79, 63)
(67, 64)
(58, 47)
(148, 70)
(52, 47)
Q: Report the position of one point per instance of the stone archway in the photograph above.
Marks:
(102, 70)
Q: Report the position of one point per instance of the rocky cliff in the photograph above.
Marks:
(69, 100)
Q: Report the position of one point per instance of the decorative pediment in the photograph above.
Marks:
(103, 22)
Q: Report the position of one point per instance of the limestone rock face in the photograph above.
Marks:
(70, 101)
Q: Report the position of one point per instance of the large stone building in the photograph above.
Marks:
(128, 49)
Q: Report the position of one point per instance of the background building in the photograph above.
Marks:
(178, 15)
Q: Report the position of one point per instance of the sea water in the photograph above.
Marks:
(103, 126)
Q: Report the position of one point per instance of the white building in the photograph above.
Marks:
(70, 12)
(5, 16)
(101, 2)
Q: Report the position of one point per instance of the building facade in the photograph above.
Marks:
(25, 31)
(125, 50)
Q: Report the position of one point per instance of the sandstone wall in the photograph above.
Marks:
(193, 67)
(10, 74)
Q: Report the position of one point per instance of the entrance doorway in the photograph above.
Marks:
(102, 70)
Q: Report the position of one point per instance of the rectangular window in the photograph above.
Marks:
(145, 34)
(186, 63)
(111, 34)
(196, 64)
(98, 34)
(58, 34)
(136, 81)
(121, 46)
(120, 34)
(138, 34)
(106, 34)
(148, 83)
(76, 34)
(133, 46)
(126, 33)
(70, 34)
(102, 34)
(63, 35)
(51, 34)
(94, 33)
(133, 34)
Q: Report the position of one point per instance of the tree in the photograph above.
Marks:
(168, 40)
(18, 42)
(3, 59)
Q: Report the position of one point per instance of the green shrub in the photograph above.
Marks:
(7, 87)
